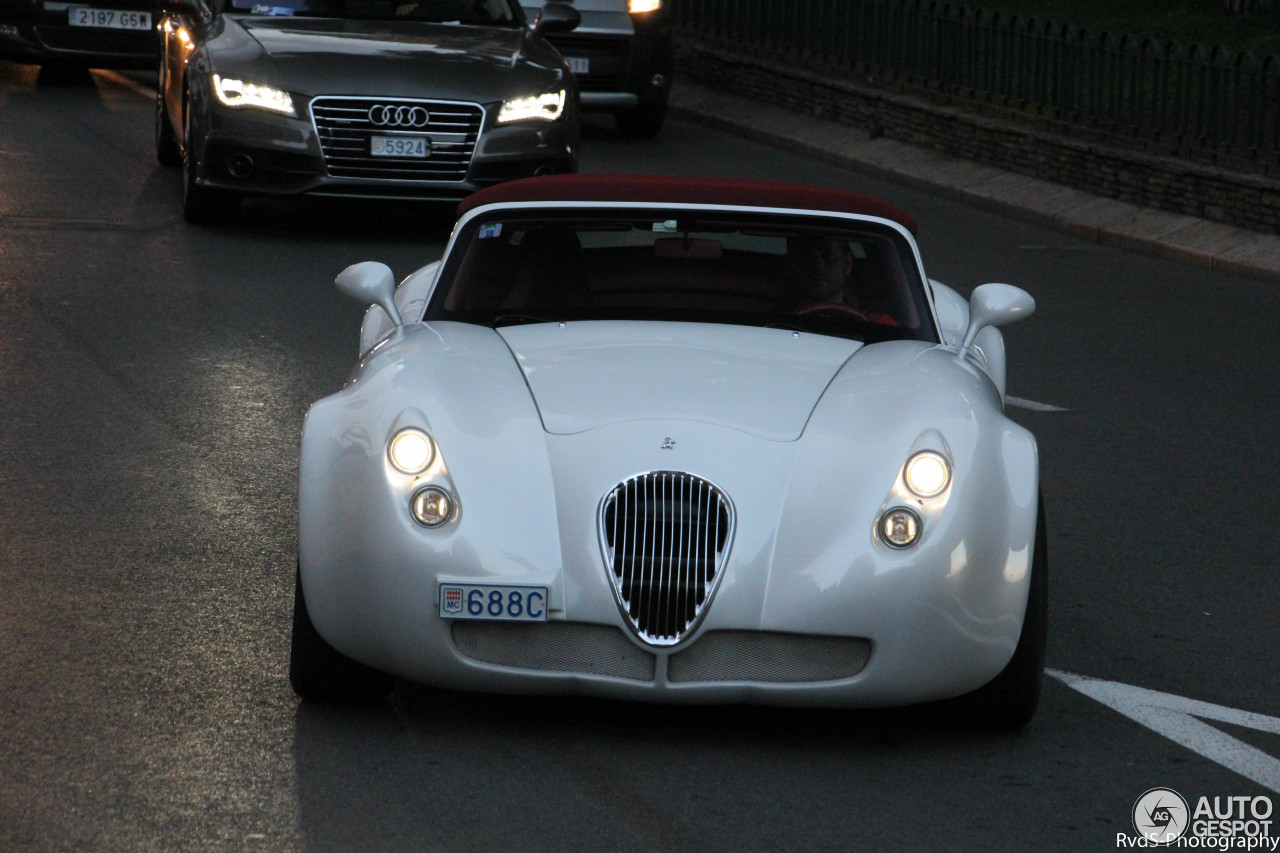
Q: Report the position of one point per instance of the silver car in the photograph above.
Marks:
(393, 99)
(622, 56)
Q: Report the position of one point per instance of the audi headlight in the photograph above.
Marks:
(547, 107)
(411, 451)
(240, 93)
(927, 474)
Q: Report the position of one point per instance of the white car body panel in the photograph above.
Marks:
(700, 377)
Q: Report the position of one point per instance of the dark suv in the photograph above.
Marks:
(622, 55)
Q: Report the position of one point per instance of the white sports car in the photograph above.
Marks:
(678, 440)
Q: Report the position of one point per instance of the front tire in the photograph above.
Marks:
(321, 673)
(168, 151)
(202, 205)
(1008, 702)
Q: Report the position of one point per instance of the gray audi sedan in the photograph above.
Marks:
(390, 99)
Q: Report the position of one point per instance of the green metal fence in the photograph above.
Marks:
(1197, 102)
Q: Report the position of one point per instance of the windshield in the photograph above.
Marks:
(831, 276)
(465, 12)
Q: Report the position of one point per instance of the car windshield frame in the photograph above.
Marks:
(691, 263)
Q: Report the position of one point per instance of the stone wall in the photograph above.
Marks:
(1059, 153)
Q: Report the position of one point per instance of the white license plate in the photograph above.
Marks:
(400, 146)
(578, 64)
(108, 19)
(496, 603)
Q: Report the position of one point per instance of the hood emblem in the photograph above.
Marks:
(383, 115)
(668, 443)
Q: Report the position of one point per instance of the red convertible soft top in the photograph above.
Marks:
(624, 189)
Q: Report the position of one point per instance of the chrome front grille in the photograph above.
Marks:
(665, 537)
(346, 129)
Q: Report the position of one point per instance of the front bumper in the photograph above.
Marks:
(930, 623)
(257, 153)
(45, 43)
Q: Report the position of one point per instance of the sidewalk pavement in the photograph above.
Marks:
(1102, 220)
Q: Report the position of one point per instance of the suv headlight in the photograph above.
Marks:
(547, 107)
(240, 93)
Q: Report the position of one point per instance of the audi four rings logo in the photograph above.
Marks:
(385, 115)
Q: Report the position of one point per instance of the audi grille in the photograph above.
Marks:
(346, 127)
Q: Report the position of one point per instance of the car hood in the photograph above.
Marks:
(317, 56)
(764, 382)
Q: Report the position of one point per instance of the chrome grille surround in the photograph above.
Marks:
(665, 536)
(344, 126)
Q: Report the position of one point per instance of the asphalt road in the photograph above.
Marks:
(153, 379)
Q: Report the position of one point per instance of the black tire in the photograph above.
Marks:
(1008, 702)
(643, 122)
(321, 673)
(168, 151)
(203, 205)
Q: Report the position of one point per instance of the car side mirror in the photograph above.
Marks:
(371, 283)
(996, 305)
(557, 18)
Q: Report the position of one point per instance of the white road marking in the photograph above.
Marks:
(1032, 405)
(1175, 717)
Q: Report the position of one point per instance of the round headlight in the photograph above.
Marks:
(431, 507)
(411, 451)
(927, 474)
(899, 527)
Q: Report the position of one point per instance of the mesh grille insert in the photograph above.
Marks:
(766, 656)
(572, 647)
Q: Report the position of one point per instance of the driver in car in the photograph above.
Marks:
(819, 276)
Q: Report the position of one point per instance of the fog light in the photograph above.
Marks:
(431, 507)
(899, 527)
(411, 451)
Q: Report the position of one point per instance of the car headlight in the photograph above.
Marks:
(639, 7)
(411, 451)
(240, 93)
(927, 474)
(547, 107)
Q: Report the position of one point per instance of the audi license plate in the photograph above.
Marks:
(108, 19)
(400, 146)
(578, 64)
(497, 603)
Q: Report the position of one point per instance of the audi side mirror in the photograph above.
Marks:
(557, 18)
